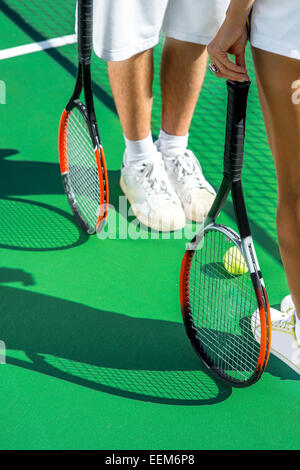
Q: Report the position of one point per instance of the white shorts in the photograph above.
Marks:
(275, 27)
(123, 28)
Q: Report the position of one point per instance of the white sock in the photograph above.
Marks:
(137, 150)
(174, 144)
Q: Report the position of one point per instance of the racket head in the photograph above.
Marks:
(226, 316)
(83, 168)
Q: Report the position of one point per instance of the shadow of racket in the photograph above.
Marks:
(141, 359)
(34, 226)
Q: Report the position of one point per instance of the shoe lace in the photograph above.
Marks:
(150, 176)
(186, 169)
(286, 322)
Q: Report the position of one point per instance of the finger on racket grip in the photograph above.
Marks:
(229, 74)
(239, 68)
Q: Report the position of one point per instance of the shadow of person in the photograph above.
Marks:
(25, 177)
(16, 275)
(142, 359)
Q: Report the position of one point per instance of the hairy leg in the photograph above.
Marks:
(183, 70)
(131, 84)
(276, 79)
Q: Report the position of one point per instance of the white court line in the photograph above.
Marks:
(37, 46)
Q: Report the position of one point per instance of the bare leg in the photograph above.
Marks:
(131, 83)
(183, 70)
(182, 73)
(275, 76)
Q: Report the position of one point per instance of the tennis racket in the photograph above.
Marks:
(81, 156)
(223, 298)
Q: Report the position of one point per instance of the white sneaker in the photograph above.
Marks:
(151, 196)
(185, 174)
(284, 343)
(287, 304)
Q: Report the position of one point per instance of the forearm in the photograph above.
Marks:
(238, 11)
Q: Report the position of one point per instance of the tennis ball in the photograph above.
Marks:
(235, 262)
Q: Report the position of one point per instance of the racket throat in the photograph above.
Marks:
(219, 201)
(77, 89)
(240, 209)
(88, 92)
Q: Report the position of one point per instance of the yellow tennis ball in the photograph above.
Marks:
(235, 262)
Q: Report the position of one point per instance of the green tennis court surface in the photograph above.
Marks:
(99, 362)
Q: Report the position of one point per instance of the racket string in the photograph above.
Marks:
(83, 170)
(222, 305)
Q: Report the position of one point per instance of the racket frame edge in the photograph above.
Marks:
(100, 162)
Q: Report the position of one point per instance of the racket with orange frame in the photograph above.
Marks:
(223, 296)
(82, 162)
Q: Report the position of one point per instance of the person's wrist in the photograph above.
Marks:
(236, 18)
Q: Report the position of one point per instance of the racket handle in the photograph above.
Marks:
(85, 31)
(235, 129)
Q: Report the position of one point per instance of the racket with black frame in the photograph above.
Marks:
(223, 298)
(82, 162)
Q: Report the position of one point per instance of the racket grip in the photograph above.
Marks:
(85, 31)
(235, 129)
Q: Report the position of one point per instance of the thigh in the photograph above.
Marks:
(122, 28)
(278, 80)
(194, 20)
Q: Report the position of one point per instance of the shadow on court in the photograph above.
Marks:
(30, 225)
(25, 177)
(35, 226)
(16, 275)
(141, 359)
(32, 22)
(20, 177)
